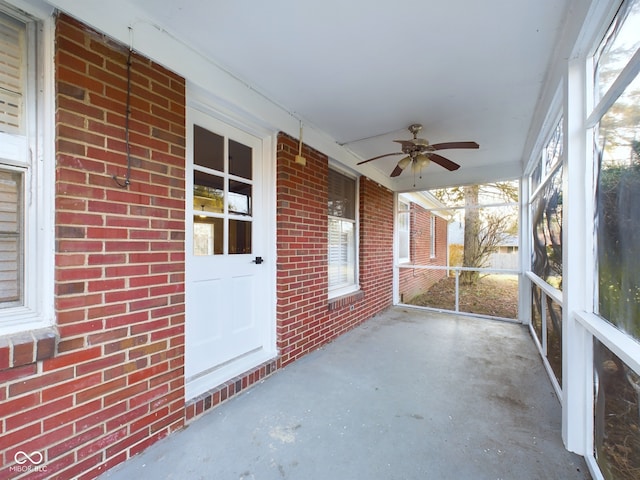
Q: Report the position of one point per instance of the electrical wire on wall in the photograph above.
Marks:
(127, 178)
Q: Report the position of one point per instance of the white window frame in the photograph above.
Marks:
(573, 100)
(404, 231)
(592, 325)
(36, 309)
(344, 289)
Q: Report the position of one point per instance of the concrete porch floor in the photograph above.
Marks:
(408, 395)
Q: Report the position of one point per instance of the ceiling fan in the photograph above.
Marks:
(419, 152)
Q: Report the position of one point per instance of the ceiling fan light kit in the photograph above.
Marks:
(420, 153)
(421, 161)
(404, 162)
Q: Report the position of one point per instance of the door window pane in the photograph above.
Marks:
(208, 235)
(208, 192)
(218, 196)
(239, 237)
(239, 198)
(240, 160)
(208, 149)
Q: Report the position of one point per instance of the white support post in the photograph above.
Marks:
(396, 270)
(577, 241)
(524, 284)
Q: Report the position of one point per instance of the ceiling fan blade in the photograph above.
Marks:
(444, 162)
(401, 165)
(396, 171)
(379, 156)
(446, 145)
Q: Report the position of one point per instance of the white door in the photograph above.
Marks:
(227, 285)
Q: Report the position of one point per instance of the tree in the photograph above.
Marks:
(472, 253)
(483, 232)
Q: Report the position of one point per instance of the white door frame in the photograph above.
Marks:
(203, 102)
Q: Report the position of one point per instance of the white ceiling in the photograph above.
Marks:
(466, 70)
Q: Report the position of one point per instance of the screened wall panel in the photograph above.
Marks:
(536, 311)
(546, 261)
(554, 337)
(617, 218)
(616, 415)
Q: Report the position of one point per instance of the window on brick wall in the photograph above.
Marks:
(404, 226)
(342, 234)
(22, 221)
(432, 230)
(13, 86)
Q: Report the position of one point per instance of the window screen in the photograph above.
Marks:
(12, 77)
(342, 231)
(13, 55)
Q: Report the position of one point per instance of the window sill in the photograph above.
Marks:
(342, 301)
(25, 348)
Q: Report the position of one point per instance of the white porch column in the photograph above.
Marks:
(578, 261)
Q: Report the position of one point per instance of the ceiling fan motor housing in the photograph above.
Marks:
(414, 129)
(419, 151)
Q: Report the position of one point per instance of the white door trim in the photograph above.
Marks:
(202, 102)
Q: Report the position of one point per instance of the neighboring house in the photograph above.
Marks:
(456, 233)
(422, 242)
(504, 258)
(506, 255)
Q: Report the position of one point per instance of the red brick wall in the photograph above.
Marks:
(376, 246)
(306, 319)
(116, 383)
(414, 281)
(301, 289)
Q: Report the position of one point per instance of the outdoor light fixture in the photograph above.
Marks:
(404, 162)
(299, 157)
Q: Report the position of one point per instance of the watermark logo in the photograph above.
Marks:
(28, 462)
(35, 458)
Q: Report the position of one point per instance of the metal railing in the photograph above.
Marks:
(456, 272)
